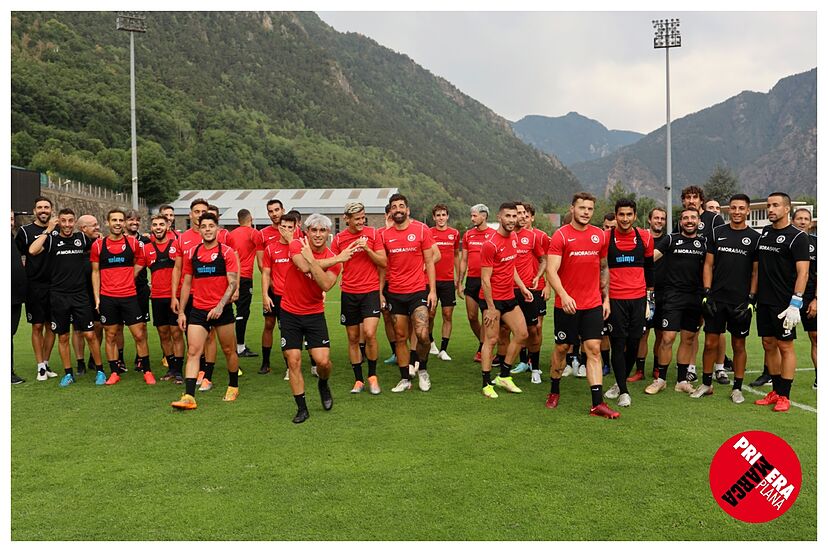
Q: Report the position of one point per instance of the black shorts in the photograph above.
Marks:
(768, 325)
(276, 311)
(198, 317)
(680, 312)
(473, 286)
(356, 307)
(530, 310)
(162, 314)
(627, 318)
(71, 308)
(584, 324)
(540, 302)
(37, 303)
(502, 306)
(144, 301)
(310, 329)
(725, 319)
(808, 324)
(445, 293)
(120, 310)
(245, 298)
(406, 303)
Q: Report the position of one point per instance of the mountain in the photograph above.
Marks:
(258, 100)
(768, 140)
(573, 137)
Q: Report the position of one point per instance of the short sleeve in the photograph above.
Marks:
(487, 254)
(664, 246)
(800, 247)
(648, 245)
(376, 241)
(428, 239)
(335, 245)
(139, 253)
(95, 252)
(231, 262)
(602, 253)
(295, 248)
(556, 244)
(187, 262)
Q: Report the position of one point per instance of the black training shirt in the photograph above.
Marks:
(37, 267)
(658, 268)
(777, 253)
(69, 261)
(811, 287)
(683, 259)
(734, 252)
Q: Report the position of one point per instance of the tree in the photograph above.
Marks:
(720, 185)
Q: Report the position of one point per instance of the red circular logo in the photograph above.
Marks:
(755, 476)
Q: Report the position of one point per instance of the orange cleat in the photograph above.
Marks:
(200, 377)
(113, 378)
(373, 385)
(638, 376)
(605, 411)
(783, 404)
(186, 402)
(552, 400)
(231, 395)
(478, 357)
(149, 378)
(770, 398)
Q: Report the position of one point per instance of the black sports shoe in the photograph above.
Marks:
(247, 353)
(264, 370)
(15, 379)
(81, 370)
(764, 379)
(721, 377)
(301, 416)
(728, 363)
(325, 395)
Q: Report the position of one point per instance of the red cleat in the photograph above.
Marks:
(770, 398)
(638, 376)
(113, 378)
(478, 357)
(552, 400)
(149, 378)
(604, 410)
(783, 404)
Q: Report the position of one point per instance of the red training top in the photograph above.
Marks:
(544, 239)
(277, 258)
(268, 235)
(448, 241)
(529, 248)
(116, 264)
(161, 267)
(500, 253)
(209, 274)
(305, 295)
(187, 240)
(246, 241)
(581, 252)
(627, 282)
(359, 273)
(473, 241)
(405, 257)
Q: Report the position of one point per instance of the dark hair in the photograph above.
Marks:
(213, 208)
(159, 216)
(198, 201)
(507, 205)
(740, 197)
(654, 209)
(798, 209)
(626, 202)
(296, 213)
(38, 199)
(688, 209)
(693, 190)
(208, 216)
(165, 206)
(398, 197)
(439, 207)
(586, 196)
(290, 217)
(387, 208)
(68, 211)
(274, 200)
(115, 210)
(783, 195)
(132, 214)
(609, 216)
(529, 207)
(243, 215)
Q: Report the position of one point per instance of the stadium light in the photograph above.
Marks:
(667, 36)
(132, 22)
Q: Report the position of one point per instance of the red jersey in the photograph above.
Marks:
(625, 257)
(544, 239)
(160, 261)
(268, 235)
(187, 240)
(223, 236)
(473, 241)
(580, 270)
(448, 241)
(208, 269)
(116, 263)
(359, 273)
(500, 253)
(406, 258)
(246, 241)
(529, 248)
(277, 258)
(305, 295)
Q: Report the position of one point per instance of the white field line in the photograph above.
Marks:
(796, 404)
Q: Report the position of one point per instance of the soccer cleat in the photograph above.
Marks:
(15, 379)
(613, 392)
(121, 367)
(433, 350)
(186, 402)
(684, 387)
(770, 398)
(200, 377)
(247, 353)
(721, 377)
(783, 404)
(567, 371)
(412, 371)
(113, 378)
(314, 372)
(442, 355)
(100, 378)
(736, 396)
(231, 394)
(403, 385)
(478, 357)
(301, 416)
(763, 379)
(657, 386)
(41, 374)
(81, 370)
(508, 384)
(702, 391)
(240, 372)
(327, 398)
(580, 372)
(373, 385)
(425, 380)
(391, 360)
(624, 400)
(149, 378)
(287, 375)
(358, 387)
(264, 370)
(520, 368)
(536, 376)
(489, 392)
(206, 385)
(179, 379)
(691, 373)
(552, 400)
(638, 376)
(67, 380)
(604, 410)
(168, 376)
(50, 374)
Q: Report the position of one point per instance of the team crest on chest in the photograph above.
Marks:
(594, 238)
(746, 241)
(411, 237)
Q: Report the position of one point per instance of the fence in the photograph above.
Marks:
(90, 191)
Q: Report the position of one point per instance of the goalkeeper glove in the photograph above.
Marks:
(790, 317)
(708, 305)
(744, 312)
(650, 310)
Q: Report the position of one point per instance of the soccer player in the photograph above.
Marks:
(92, 230)
(387, 317)
(211, 275)
(169, 213)
(132, 228)
(713, 206)
(247, 241)
(608, 223)
(531, 264)
(802, 220)
(473, 241)
(729, 281)
(37, 290)
(313, 270)
(499, 280)
(577, 270)
(630, 261)
(275, 210)
(69, 252)
(411, 291)
(160, 255)
(275, 264)
(783, 263)
(657, 221)
(679, 305)
(448, 242)
(360, 304)
(116, 260)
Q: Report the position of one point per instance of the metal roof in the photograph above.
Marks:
(328, 201)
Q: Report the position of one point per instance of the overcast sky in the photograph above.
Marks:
(601, 65)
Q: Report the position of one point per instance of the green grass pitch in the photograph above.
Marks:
(117, 463)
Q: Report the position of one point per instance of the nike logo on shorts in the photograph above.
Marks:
(325, 341)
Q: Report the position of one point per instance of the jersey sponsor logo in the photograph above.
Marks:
(524, 240)
(733, 250)
(403, 250)
(206, 270)
(688, 252)
(746, 241)
(780, 239)
(117, 260)
(594, 238)
(697, 243)
(583, 253)
(71, 252)
(769, 248)
(625, 259)
(411, 237)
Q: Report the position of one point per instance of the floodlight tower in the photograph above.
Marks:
(132, 22)
(667, 36)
